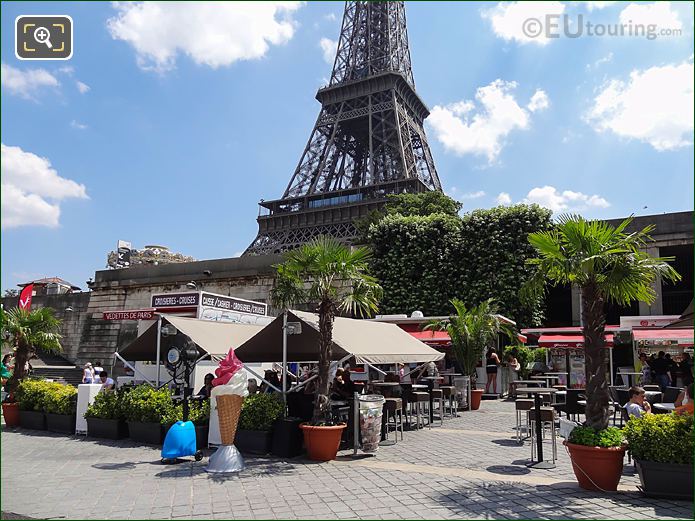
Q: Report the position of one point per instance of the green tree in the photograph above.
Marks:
(472, 331)
(606, 263)
(27, 331)
(332, 277)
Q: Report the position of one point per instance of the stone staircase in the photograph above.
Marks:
(54, 367)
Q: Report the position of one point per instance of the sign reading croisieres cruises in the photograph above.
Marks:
(210, 306)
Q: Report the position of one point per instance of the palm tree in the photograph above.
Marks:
(472, 330)
(607, 264)
(26, 331)
(331, 276)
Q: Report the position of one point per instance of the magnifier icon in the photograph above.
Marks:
(43, 35)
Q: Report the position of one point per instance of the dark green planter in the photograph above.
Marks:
(32, 420)
(201, 437)
(665, 480)
(253, 442)
(63, 423)
(287, 438)
(150, 433)
(107, 429)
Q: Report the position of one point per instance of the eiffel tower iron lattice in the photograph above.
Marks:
(368, 141)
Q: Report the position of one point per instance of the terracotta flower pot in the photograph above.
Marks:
(10, 412)
(322, 442)
(476, 396)
(597, 468)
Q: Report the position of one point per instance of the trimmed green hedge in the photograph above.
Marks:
(662, 438)
(422, 262)
(259, 411)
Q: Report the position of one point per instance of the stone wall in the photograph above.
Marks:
(74, 323)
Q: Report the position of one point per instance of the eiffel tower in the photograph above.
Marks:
(368, 141)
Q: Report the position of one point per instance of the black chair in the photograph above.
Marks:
(572, 408)
(671, 394)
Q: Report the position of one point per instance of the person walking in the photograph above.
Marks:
(87, 373)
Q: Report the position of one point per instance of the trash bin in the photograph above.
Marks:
(371, 410)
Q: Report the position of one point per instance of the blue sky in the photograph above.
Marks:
(171, 122)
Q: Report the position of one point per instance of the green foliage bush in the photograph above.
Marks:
(32, 394)
(422, 262)
(198, 413)
(61, 399)
(259, 412)
(147, 405)
(662, 438)
(108, 405)
(609, 437)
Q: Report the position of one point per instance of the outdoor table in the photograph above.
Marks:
(418, 386)
(450, 376)
(386, 387)
(653, 396)
(630, 378)
(541, 463)
(558, 374)
(665, 406)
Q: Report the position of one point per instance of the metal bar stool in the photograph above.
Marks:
(522, 405)
(420, 401)
(393, 408)
(438, 397)
(449, 392)
(547, 416)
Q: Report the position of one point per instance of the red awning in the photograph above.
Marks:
(568, 341)
(682, 336)
(432, 336)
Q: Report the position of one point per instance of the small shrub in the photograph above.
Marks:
(259, 412)
(32, 394)
(609, 437)
(107, 406)
(147, 405)
(662, 438)
(198, 413)
(61, 399)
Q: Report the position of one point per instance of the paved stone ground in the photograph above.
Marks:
(469, 468)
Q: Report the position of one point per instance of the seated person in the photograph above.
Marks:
(336, 388)
(684, 403)
(272, 377)
(106, 382)
(207, 386)
(252, 386)
(637, 406)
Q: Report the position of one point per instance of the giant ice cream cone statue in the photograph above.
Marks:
(228, 392)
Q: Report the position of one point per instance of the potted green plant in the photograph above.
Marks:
(258, 414)
(329, 277)
(597, 457)
(662, 447)
(60, 407)
(146, 411)
(25, 332)
(198, 413)
(606, 263)
(472, 330)
(31, 395)
(105, 416)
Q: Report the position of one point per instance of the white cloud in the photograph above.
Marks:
(550, 197)
(328, 48)
(655, 105)
(596, 5)
(601, 61)
(79, 126)
(32, 189)
(473, 195)
(503, 199)
(464, 130)
(539, 101)
(82, 87)
(331, 17)
(659, 14)
(210, 33)
(522, 21)
(26, 83)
